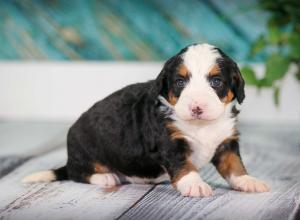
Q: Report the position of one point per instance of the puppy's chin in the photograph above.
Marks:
(198, 119)
(210, 117)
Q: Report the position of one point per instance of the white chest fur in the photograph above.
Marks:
(205, 137)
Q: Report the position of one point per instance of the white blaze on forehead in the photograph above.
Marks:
(200, 58)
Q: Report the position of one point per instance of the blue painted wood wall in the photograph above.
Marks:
(124, 29)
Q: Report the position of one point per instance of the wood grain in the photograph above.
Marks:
(126, 30)
(61, 200)
(25, 139)
(270, 152)
(7, 164)
(20, 141)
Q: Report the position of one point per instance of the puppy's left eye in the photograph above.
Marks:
(215, 82)
(180, 83)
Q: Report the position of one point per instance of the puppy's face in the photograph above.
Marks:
(200, 81)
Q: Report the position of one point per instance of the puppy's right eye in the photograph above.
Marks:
(180, 83)
(215, 82)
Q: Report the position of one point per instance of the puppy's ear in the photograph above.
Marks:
(162, 80)
(237, 82)
(234, 75)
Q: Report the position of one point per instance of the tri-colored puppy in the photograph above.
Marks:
(164, 129)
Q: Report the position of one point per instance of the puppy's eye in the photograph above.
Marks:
(180, 83)
(215, 82)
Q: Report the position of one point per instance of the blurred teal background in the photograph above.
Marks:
(124, 30)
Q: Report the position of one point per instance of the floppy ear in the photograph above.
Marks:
(170, 66)
(162, 80)
(238, 83)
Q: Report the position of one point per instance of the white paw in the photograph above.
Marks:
(248, 183)
(192, 185)
(105, 180)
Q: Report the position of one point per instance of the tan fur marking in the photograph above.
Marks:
(229, 164)
(187, 168)
(172, 98)
(98, 168)
(183, 71)
(215, 71)
(228, 98)
(175, 132)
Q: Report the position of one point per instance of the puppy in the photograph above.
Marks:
(164, 130)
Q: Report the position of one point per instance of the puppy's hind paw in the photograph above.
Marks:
(105, 180)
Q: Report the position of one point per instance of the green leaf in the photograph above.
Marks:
(276, 92)
(249, 75)
(294, 44)
(276, 67)
(264, 83)
(297, 75)
(277, 19)
(258, 45)
(274, 35)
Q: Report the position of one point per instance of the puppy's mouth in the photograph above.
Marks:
(203, 117)
(200, 119)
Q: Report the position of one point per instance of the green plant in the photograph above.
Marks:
(280, 45)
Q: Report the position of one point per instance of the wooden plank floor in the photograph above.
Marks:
(270, 152)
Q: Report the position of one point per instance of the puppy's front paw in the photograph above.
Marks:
(192, 185)
(248, 183)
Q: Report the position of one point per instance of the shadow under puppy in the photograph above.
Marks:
(164, 129)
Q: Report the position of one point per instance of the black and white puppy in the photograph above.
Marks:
(164, 129)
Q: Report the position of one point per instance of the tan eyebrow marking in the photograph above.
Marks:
(183, 71)
(215, 71)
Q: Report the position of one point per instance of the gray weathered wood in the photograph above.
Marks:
(165, 203)
(61, 200)
(270, 152)
(7, 164)
(29, 138)
(20, 141)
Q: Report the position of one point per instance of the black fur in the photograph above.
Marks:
(232, 77)
(126, 132)
(61, 173)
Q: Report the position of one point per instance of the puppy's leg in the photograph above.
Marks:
(188, 182)
(92, 173)
(182, 172)
(103, 177)
(229, 164)
(184, 175)
(79, 172)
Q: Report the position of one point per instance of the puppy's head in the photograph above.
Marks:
(200, 81)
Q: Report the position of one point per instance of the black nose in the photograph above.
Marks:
(197, 110)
